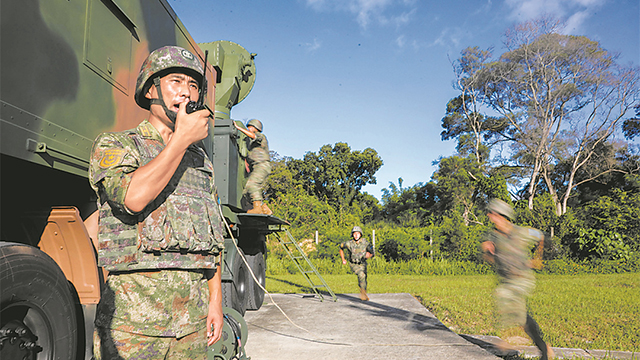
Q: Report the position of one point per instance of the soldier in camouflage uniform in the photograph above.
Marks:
(509, 247)
(160, 229)
(360, 250)
(259, 165)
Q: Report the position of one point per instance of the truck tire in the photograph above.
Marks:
(38, 314)
(255, 294)
(234, 292)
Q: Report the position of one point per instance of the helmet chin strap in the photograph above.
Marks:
(172, 115)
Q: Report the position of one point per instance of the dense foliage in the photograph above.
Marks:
(536, 127)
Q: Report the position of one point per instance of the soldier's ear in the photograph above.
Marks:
(152, 93)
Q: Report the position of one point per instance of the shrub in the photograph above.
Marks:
(400, 243)
(602, 244)
(595, 266)
(459, 241)
(378, 265)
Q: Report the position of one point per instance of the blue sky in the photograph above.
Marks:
(377, 73)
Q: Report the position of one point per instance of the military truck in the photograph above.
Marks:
(68, 73)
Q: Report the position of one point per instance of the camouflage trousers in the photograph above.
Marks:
(147, 315)
(361, 271)
(511, 300)
(120, 345)
(256, 180)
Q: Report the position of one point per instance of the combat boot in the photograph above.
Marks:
(363, 295)
(266, 210)
(257, 208)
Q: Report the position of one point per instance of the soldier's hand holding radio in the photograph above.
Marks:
(192, 127)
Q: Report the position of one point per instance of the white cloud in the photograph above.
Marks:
(367, 9)
(317, 5)
(484, 8)
(575, 12)
(575, 22)
(367, 12)
(311, 47)
(449, 37)
(404, 18)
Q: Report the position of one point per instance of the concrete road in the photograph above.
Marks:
(389, 326)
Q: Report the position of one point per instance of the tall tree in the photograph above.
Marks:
(408, 206)
(558, 95)
(336, 173)
(464, 119)
(460, 185)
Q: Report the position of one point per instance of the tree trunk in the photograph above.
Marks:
(533, 180)
(552, 192)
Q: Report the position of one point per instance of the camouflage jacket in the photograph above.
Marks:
(357, 250)
(181, 229)
(513, 251)
(258, 149)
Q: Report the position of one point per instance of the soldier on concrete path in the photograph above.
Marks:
(259, 166)
(160, 231)
(360, 250)
(509, 247)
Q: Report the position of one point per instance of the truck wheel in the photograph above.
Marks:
(255, 294)
(37, 311)
(234, 292)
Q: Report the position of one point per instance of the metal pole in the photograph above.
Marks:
(316, 237)
(373, 238)
(431, 244)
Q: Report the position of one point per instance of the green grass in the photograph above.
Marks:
(577, 311)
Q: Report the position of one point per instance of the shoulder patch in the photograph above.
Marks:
(111, 157)
(145, 132)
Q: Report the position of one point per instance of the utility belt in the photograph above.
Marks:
(154, 271)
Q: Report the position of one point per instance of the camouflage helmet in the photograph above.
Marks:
(255, 123)
(356, 229)
(159, 63)
(501, 208)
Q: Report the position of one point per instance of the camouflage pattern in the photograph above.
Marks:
(258, 149)
(162, 304)
(161, 59)
(357, 260)
(182, 228)
(255, 123)
(256, 180)
(169, 303)
(515, 277)
(141, 347)
(361, 272)
(511, 301)
(357, 250)
(513, 251)
(260, 166)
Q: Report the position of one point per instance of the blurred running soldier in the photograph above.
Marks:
(160, 231)
(509, 247)
(360, 250)
(259, 166)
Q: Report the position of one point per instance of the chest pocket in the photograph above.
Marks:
(184, 215)
(357, 253)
